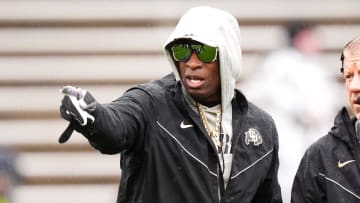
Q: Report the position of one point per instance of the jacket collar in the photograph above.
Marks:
(241, 101)
(343, 127)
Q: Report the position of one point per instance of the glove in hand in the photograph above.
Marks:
(76, 106)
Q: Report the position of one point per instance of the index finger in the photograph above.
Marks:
(69, 90)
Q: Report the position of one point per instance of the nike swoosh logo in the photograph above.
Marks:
(340, 165)
(182, 125)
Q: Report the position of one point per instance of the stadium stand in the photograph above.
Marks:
(107, 47)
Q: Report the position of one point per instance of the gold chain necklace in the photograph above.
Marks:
(214, 134)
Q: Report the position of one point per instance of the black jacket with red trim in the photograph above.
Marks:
(163, 162)
(330, 169)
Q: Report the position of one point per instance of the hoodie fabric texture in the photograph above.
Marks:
(167, 154)
(330, 169)
(218, 28)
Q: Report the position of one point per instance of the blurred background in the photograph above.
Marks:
(109, 46)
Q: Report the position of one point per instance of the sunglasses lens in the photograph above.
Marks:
(181, 52)
(207, 54)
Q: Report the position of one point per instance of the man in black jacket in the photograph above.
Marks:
(330, 169)
(189, 137)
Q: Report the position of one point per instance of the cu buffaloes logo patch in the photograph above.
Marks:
(252, 135)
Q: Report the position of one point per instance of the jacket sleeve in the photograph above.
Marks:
(308, 185)
(270, 190)
(120, 124)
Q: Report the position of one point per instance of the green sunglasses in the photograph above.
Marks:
(183, 51)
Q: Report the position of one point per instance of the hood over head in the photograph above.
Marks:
(213, 27)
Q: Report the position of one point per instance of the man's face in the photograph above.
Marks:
(201, 80)
(352, 77)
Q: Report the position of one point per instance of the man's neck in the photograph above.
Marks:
(209, 104)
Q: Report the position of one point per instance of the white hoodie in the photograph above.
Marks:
(217, 28)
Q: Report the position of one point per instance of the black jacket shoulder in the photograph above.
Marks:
(328, 171)
(157, 88)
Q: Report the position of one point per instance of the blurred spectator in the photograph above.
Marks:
(9, 176)
(298, 92)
